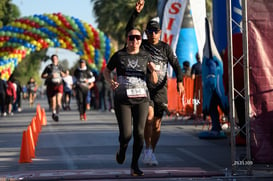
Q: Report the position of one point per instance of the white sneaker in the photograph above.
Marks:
(153, 161)
(147, 156)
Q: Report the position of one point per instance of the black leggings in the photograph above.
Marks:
(125, 114)
(81, 95)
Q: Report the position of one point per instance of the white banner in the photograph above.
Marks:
(172, 20)
(198, 11)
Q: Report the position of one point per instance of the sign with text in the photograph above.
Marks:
(172, 20)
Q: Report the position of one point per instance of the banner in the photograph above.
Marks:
(260, 27)
(171, 22)
(198, 11)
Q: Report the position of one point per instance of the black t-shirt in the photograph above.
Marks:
(196, 69)
(50, 69)
(81, 76)
(162, 54)
(131, 72)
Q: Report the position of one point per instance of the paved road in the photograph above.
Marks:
(85, 150)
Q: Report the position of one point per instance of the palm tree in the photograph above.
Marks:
(112, 16)
(8, 12)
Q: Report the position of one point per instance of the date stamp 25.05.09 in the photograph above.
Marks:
(242, 163)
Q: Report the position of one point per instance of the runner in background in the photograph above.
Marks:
(68, 89)
(31, 89)
(84, 82)
(53, 74)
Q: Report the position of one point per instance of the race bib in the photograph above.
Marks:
(136, 92)
(157, 67)
(57, 80)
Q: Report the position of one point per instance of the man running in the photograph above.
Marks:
(53, 74)
(162, 54)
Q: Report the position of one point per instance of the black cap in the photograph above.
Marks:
(82, 61)
(153, 25)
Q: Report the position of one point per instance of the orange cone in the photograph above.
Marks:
(24, 153)
(44, 120)
(38, 113)
(34, 131)
(31, 142)
(37, 123)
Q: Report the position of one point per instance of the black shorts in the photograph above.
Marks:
(9, 99)
(159, 102)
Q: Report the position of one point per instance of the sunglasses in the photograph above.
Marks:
(153, 31)
(133, 37)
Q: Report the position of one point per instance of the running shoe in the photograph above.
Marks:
(153, 161)
(136, 172)
(81, 117)
(147, 154)
(55, 117)
(84, 116)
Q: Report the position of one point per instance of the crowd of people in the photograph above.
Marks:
(10, 96)
(59, 91)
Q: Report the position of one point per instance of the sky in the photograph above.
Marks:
(81, 9)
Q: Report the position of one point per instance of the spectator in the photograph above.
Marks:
(186, 69)
(106, 95)
(196, 69)
(17, 105)
(3, 89)
(196, 74)
(31, 89)
(10, 96)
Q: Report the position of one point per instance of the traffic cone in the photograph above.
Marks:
(31, 142)
(38, 113)
(44, 120)
(24, 153)
(34, 131)
(37, 123)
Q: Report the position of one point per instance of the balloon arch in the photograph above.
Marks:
(33, 33)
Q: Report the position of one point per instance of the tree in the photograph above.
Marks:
(30, 66)
(112, 16)
(8, 12)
